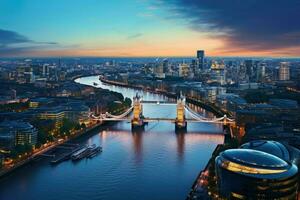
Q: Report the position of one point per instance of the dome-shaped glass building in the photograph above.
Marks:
(252, 174)
(285, 152)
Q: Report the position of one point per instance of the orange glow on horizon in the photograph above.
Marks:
(184, 46)
(161, 52)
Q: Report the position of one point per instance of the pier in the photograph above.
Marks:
(65, 155)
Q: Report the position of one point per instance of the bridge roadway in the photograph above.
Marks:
(165, 120)
(159, 102)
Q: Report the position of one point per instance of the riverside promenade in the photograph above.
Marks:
(6, 171)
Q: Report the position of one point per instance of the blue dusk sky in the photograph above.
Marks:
(149, 27)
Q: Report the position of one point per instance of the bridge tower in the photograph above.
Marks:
(137, 119)
(225, 120)
(180, 123)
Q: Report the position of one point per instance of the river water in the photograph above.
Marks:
(154, 164)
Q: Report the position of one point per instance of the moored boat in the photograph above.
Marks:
(94, 151)
(86, 151)
(81, 153)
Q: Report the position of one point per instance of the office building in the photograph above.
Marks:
(53, 113)
(261, 72)
(7, 138)
(218, 72)
(200, 58)
(75, 111)
(284, 104)
(19, 131)
(165, 66)
(45, 70)
(284, 71)
(249, 68)
(183, 70)
(194, 66)
(159, 70)
(252, 174)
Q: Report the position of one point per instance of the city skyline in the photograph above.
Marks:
(144, 28)
(149, 99)
(149, 124)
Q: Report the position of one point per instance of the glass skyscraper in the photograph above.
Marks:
(200, 57)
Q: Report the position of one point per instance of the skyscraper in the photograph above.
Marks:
(218, 72)
(249, 68)
(183, 70)
(200, 57)
(165, 66)
(194, 66)
(159, 70)
(284, 71)
(260, 71)
(45, 70)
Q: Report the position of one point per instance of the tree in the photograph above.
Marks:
(127, 101)
(45, 127)
(77, 126)
(83, 126)
(41, 138)
(21, 149)
(66, 127)
(256, 96)
(14, 107)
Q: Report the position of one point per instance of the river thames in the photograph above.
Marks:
(154, 164)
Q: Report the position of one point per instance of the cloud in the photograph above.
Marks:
(11, 37)
(244, 24)
(15, 51)
(134, 36)
(15, 44)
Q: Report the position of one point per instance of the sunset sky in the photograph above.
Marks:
(149, 27)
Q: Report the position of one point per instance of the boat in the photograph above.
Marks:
(86, 152)
(94, 151)
(81, 153)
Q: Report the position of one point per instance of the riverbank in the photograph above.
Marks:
(128, 160)
(199, 187)
(197, 102)
(73, 78)
(12, 165)
(85, 132)
(205, 186)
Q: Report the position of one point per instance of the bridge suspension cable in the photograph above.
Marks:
(121, 115)
(197, 117)
(110, 116)
(193, 113)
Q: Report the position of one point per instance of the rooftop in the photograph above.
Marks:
(256, 164)
(284, 103)
(15, 124)
(271, 147)
(254, 158)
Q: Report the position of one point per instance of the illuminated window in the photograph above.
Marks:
(234, 167)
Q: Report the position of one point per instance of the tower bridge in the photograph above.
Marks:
(138, 120)
(180, 122)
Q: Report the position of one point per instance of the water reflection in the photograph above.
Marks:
(137, 137)
(155, 163)
(180, 137)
